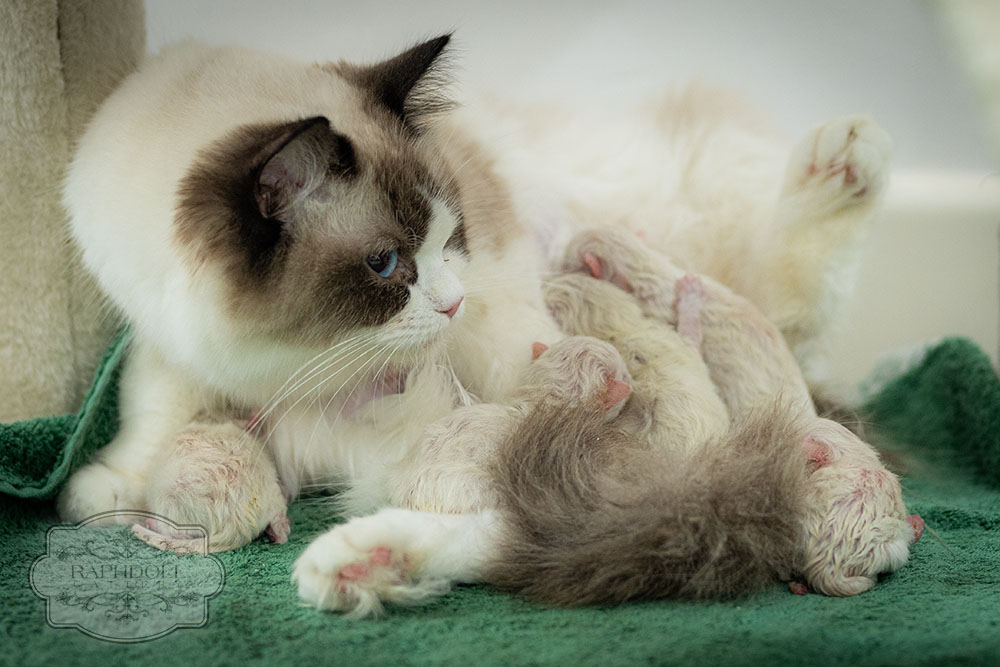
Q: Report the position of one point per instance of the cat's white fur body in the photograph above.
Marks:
(760, 233)
(701, 181)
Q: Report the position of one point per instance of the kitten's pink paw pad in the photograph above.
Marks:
(918, 526)
(691, 289)
(798, 588)
(689, 300)
(279, 529)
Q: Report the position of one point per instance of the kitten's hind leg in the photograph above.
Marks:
(396, 555)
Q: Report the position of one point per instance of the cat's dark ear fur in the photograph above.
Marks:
(299, 160)
(409, 85)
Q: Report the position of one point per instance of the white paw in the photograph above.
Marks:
(842, 163)
(356, 567)
(94, 489)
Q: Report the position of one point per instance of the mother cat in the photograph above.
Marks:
(333, 243)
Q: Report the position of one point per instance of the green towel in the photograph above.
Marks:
(36, 456)
(938, 420)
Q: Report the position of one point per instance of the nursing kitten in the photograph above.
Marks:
(855, 525)
(214, 470)
(683, 504)
(448, 471)
(328, 246)
(674, 403)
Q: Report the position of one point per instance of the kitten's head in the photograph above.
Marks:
(316, 228)
(577, 370)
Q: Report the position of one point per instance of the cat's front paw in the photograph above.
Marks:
(840, 164)
(95, 489)
(356, 567)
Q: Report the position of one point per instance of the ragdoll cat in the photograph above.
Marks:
(855, 525)
(328, 246)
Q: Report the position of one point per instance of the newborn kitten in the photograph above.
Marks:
(211, 471)
(449, 472)
(674, 403)
(855, 525)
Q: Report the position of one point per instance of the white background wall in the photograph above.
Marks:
(932, 269)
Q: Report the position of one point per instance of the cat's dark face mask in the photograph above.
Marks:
(314, 229)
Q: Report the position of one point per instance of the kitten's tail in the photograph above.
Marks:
(597, 517)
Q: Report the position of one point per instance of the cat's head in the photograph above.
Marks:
(322, 226)
(240, 205)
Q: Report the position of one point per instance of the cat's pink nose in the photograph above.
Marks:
(450, 312)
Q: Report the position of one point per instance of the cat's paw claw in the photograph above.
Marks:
(95, 489)
(843, 162)
(348, 570)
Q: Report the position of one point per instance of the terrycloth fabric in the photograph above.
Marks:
(58, 61)
(36, 456)
(939, 420)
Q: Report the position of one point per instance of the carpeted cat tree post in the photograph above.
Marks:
(58, 60)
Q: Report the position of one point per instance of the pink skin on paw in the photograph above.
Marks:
(377, 557)
(689, 300)
(798, 588)
(537, 349)
(381, 556)
(918, 526)
(353, 572)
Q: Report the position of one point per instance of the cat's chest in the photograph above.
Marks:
(360, 432)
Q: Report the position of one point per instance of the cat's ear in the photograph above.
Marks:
(409, 85)
(298, 161)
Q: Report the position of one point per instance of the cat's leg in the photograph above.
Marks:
(806, 267)
(156, 401)
(396, 555)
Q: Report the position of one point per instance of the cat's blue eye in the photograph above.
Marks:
(383, 264)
